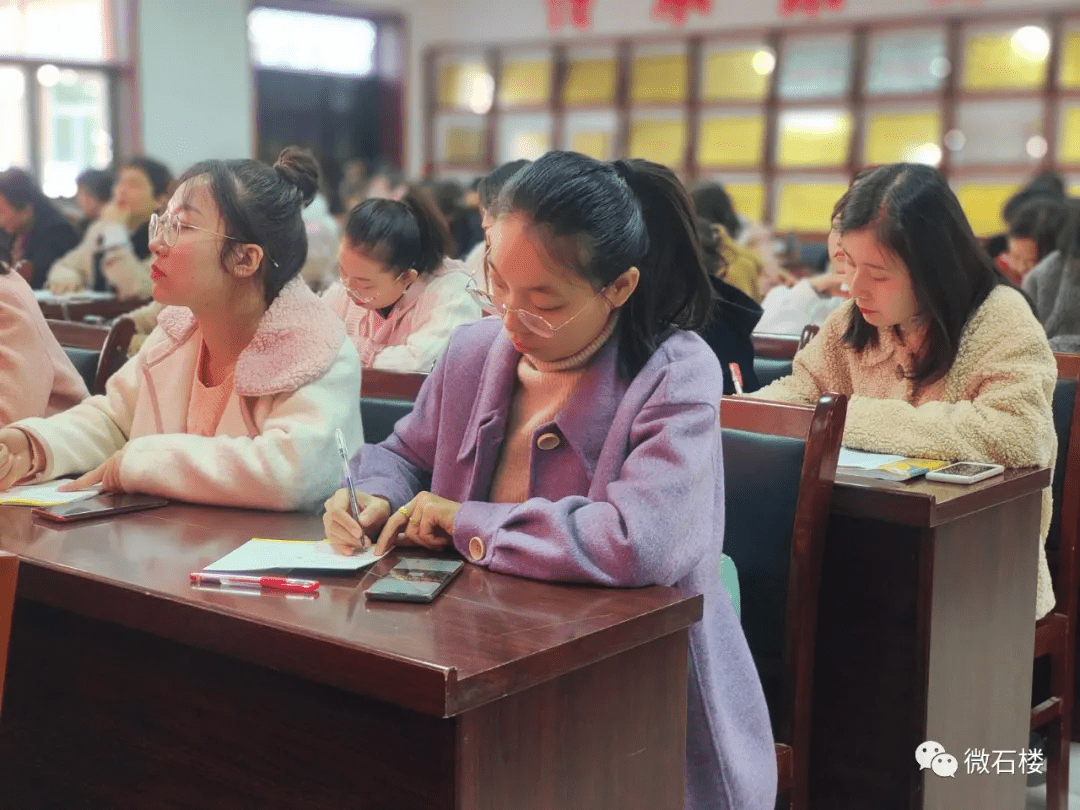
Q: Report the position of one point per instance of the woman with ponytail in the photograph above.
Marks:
(234, 398)
(399, 296)
(575, 437)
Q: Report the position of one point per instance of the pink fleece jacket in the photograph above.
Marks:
(36, 376)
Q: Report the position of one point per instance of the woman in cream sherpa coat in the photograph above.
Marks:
(953, 363)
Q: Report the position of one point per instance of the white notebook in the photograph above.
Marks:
(264, 554)
(45, 494)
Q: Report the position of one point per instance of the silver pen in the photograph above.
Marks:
(343, 451)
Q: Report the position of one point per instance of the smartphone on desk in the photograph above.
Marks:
(108, 503)
(415, 579)
(965, 472)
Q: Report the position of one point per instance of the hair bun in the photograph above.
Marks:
(299, 167)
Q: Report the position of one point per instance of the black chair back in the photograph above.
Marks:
(762, 475)
(770, 369)
(1063, 407)
(380, 415)
(86, 363)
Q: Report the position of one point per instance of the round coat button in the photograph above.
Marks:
(548, 441)
(477, 548)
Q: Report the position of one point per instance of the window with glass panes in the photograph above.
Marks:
(786, 117)
(60, 75)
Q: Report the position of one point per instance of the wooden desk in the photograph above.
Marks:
(926, 630)
(127, 687)
(63, 308)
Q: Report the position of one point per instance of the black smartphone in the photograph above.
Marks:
(109, 503)
(415, 579)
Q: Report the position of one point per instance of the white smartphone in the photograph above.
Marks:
(965, 472)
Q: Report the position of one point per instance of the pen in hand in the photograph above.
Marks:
(343, 451)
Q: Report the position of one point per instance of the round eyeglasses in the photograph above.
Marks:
(168, 227)
(530, 320)
(357, 296)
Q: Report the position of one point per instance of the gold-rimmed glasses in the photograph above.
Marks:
(530, 320)
(169, 227)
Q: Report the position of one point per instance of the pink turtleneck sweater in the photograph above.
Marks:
(541, 392)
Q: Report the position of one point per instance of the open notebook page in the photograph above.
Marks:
(264, 554)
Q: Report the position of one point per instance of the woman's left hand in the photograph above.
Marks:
(107, 474)
(427, 520)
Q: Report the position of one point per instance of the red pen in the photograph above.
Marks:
(736, 376)
(275, 583)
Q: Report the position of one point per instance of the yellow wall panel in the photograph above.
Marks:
(1070, 60)
(731, 141)
(659, 141)
(456, 82)
(730, 75)
(982, 203)
(590, 81)
(1069, 148)
(991, 63)
(658, 78)
(594, 143)
(530, 145)
(814, 139)
(806, 206)
(748, 199)
(890, 137)
(464, 145)
(525, 82)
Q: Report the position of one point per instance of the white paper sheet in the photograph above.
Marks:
(263, 554)
(45, 494)
(861, 460)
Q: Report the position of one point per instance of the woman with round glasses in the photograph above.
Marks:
(235, 397)
(399, 296)
(577, 437)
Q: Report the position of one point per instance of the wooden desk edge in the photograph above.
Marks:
(899, 502)
(418, 685)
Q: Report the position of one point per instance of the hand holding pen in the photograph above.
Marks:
(352, 517)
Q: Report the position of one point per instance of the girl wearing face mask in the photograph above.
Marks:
(235, 397)
(399, 296)
(576, 436)
(940, 356)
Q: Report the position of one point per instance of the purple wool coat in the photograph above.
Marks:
(632, 495)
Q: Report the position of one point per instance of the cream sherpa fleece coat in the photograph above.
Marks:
(994, 404)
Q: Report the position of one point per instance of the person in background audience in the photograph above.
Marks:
(384, 183)
(787, 310)
(743, 266)
(464, 222)
(941, 356)
(399, 296)
(755, 237)
(1047, 186)
(93, 190)
(487, 192)
(34, 231)
(729, 331)
(114, 254)
(576, 438)
(234, 398)
(1054, 286)
(1033, 234)
(320, 269)
(36, 376)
